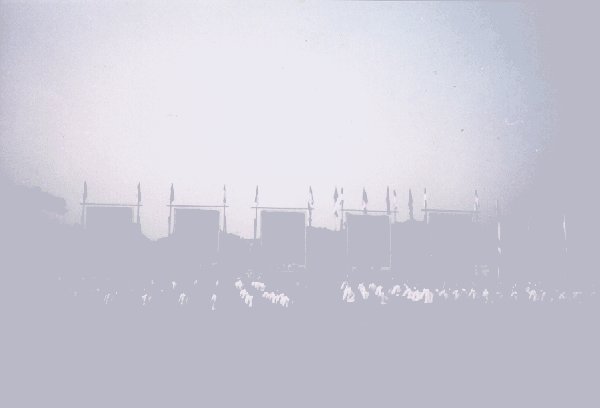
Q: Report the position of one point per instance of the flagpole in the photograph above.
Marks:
(425, 217)
(224, 210)
(255, 213)
(138, 203)
(342, 223)
(83, 204)
(335, 207)
(364, 201)
(411, 213)
(171, 199)
(390, 247)
(255, 222)
(395, 207)
(170, 215)
(309, 205)
(342, 209)
(387, 201)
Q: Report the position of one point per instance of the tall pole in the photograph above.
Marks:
(425, 204)
(255, 212)
(410, 205)
(390, 237)
(388, 207)
(224, 209)
(171, 199)
(425, 216)
(335, 207)
(170, 215)
(255, 221)
(139, 202)
(83, 204)
(310, 203)
(342, 209)
(365, 201)
(395, 207)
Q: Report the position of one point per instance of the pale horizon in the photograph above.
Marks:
(451, 97)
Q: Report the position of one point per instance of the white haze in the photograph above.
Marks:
(450, 97)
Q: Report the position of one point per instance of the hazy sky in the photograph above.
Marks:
(448, 96)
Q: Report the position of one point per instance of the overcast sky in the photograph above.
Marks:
(448, 96)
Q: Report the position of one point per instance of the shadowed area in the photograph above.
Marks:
(97, 316)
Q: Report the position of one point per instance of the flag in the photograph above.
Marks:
(256, 196)
(84, 191)
(335, 202)
(387, 201)
(410, 205)
(311, 199)
(172, 198)
(476, 206)
(365, 199)
(224, 194)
